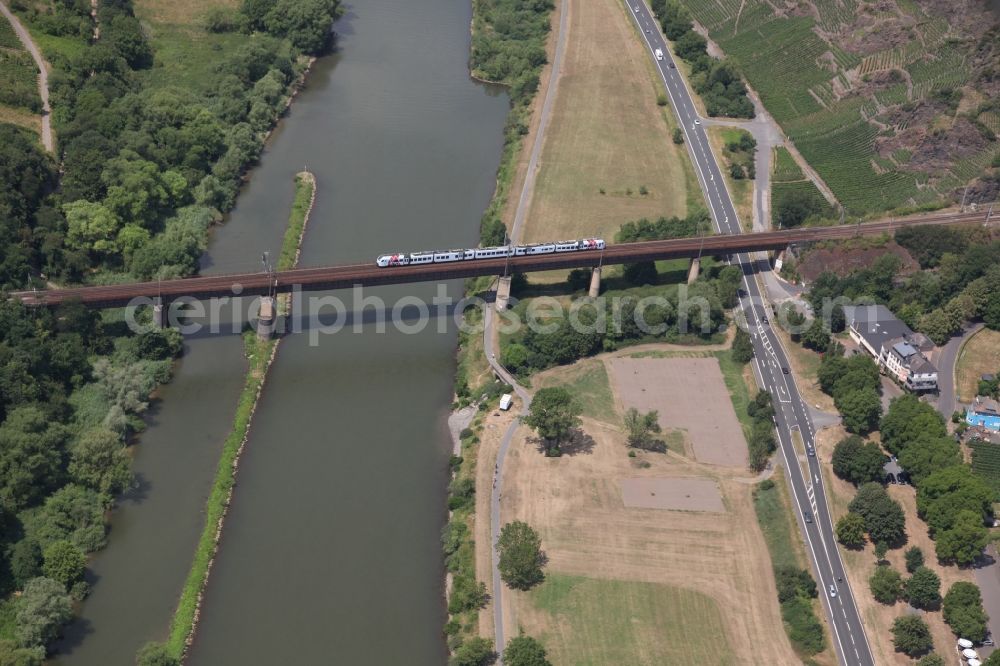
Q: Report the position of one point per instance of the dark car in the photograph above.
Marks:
(808, 516)
(673, 66)
(903, 478)
(890, 477)
(784, 370)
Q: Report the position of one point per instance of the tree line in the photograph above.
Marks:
(717, 81)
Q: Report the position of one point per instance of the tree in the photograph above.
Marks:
(886, 584)
(155, 654)
(32, 449)
(923, 589)
(42, 610)
(742, 346)
(881, 548)
(926, 455)
(909, 419)
(884, 518)
(73, 513)
(795, 207)
(525, 651)
(64, 562)
(521, 558)
(861, 410)
(12, 655)
(931, 659)
(857, 461)
(911, 636)
(678, 136)
(963, 611)
(944, 494)
(98, 461)
(25, 562)
(914, 558)
(816, 336)
(473, 652)
(553, 413)
(851, 530)
(641, 428)
(305, 22)
(838, 320)
(964, 541)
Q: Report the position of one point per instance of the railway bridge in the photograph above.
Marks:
(368, 274)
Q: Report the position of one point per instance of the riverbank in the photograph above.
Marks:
(260, 355)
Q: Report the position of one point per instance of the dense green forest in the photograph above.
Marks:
(140, 175)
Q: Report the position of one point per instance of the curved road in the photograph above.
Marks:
(43, 75)
(792, 418)
(491, 342)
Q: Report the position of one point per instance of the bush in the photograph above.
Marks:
(923, 589)
(155, 654)
(963, 611)
(473, 652)
(804, 628)
(64, 562)
(911, 636)
(914, 558)
(886, 584)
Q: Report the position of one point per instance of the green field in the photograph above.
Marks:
(800, 77)
(588, 380)
(599, 622)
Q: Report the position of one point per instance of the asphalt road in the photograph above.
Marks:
(792, 415)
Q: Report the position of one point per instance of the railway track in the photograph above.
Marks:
(367, 274)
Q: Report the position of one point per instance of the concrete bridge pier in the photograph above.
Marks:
(159, 314)
(595, 282)
(503, 294)
(694, 269)
(779, 260)
(266, 318)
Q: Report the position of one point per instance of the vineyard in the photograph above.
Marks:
(8, 38)
(786, 169)
(787, 179)
(986, 463)
(18, 76)
(19, 80)
(835, 103)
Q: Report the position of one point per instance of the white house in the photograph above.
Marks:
(898, 351)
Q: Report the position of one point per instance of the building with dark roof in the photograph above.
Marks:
(897, 350)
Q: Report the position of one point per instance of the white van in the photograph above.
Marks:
(505, 401)
(659, 54)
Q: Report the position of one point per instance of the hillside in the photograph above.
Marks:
(896, 103)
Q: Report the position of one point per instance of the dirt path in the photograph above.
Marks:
(43, 75)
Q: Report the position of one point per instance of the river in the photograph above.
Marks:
(331, 550)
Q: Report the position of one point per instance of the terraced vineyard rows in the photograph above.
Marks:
(986, 463)
(810, 85)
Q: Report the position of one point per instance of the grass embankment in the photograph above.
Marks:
(259, 354)
(799, 611)
(629, 622)
(979, 356)
(726, 144)
(607, 156)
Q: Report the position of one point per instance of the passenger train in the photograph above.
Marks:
(428, 257)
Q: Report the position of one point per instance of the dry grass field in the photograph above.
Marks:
(633, 584)
(576, 504)
(606, 132)
(689, 394)
(860, 564)
(981, 355)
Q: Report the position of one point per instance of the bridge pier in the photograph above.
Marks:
(503, 294)
(159, 316)
(693, 270)
(779, 260)
(266, 318)
(595, 282)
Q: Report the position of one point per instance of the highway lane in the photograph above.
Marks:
(770, 363)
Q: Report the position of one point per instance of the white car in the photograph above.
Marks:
(636, 9)
(697, 122)
(833, 591)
